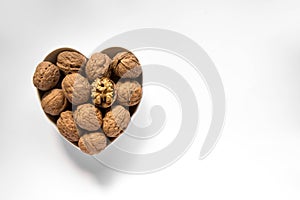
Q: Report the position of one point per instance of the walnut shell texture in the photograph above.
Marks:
(76, 88)
(126, 65)
(70, 61)
(92, 143)
(103, 92)
(67, 127)
(54, 102)
(88, 117)
(116, 121)
(129, 92)
(98, 66)
(46, 76)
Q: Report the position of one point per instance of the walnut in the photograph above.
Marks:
(129, 92)
(126, 65)
(103, 92)
(92, 143)
(54, 102)
(67, 127)
(116, 121)
(76, 88)
(88, 117)
(98, 66)
(46, 76)
(70, 61)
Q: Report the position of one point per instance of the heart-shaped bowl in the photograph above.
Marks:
(111, 53)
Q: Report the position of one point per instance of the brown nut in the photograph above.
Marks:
(54, 102)
(98, 66)
(88, 117)
(46, 76)
(76, 88)
(92, 143)
(126, 65)
(103, 92)
(116, 121)
(129, 92)
(70, 61)
(67, 127)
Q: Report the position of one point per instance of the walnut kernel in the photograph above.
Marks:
(126, 65)
(54, 102)
(67, 127)
(92, 143)
(88, 117)
(46, 76)
(98, 66)
(103, 92)
(116, 121)
(76, 88)
(70, 61)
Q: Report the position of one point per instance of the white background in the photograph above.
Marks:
(255, 46)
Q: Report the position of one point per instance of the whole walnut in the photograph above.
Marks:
(70, 61)
(46, 76)
(92, 143)
(54, 102)
(88, 117)
(103, 92)
(76, 88)
(116, 121)
(67, 127)
(98, 66)
(126, 65)
(129, 92)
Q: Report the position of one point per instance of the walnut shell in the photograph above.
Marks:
(54, 102)
(76, 88)
(126, 65)
(92, 143)
(88, 117)
(46, 76)
(98, 66)
(103, 92)
(70, 61)
(129, 92)
(116, 121)
(67, 127)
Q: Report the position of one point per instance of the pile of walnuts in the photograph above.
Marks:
(90, 100)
